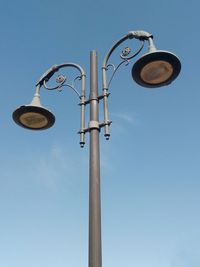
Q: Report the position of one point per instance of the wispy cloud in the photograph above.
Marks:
(187, 260)
(125, 117)
(57, 167)
(123, 120)
(188, 255)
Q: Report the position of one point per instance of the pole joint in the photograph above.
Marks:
(93, 125)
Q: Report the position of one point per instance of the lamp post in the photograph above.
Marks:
(154, 69)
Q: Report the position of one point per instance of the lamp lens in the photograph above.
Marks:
(156, 69)
(156, 72)
(33, 120)
(33, 117)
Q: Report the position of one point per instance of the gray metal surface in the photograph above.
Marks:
(95, 257)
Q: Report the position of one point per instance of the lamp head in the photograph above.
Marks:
(155, 69)
(33, 117)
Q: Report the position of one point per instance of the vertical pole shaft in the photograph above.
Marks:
(95, 257)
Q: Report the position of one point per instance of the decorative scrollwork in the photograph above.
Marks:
(125, 54)
(62, 81)
(126, 51)
(115, 68)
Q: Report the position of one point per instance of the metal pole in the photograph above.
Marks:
(95, 257)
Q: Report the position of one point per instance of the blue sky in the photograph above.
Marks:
(150, 167)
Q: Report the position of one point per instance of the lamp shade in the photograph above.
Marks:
(155, 69)
(33, 117)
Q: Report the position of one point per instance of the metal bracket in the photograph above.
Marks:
(93, 125)
(103, 124)
(100, 97)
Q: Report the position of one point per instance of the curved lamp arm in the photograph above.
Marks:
(35, 117)
(141, 36)
(49, 73)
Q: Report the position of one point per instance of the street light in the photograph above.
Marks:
(154, 69)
